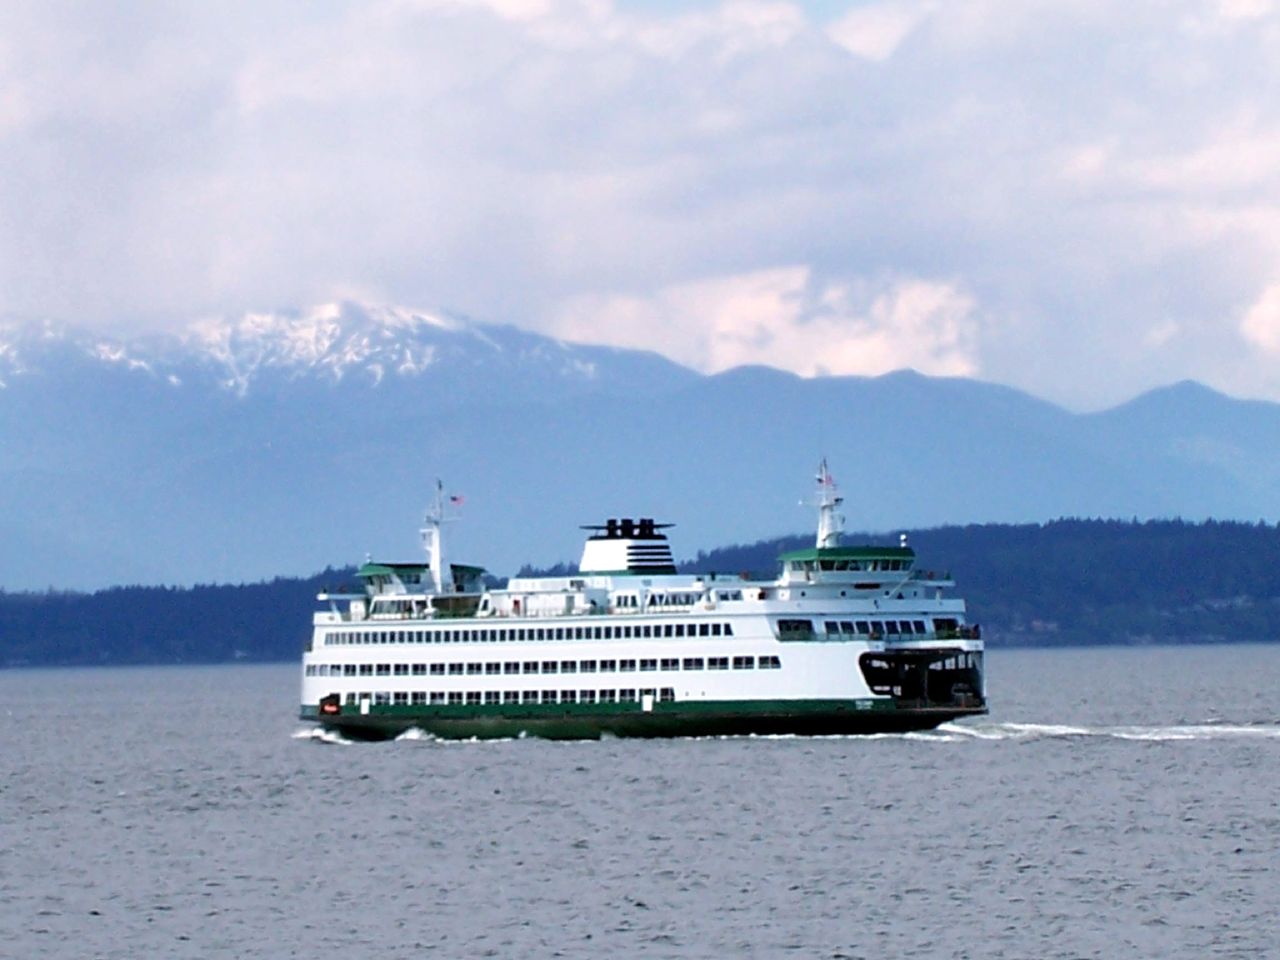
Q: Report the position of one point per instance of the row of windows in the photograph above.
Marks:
(831, 565)
(543, 667)
(875, 627)
(492, 697)
(638, 631)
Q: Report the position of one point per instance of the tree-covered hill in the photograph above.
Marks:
(1065, 582)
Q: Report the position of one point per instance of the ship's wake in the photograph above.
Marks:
(980, 730)
(321, 735)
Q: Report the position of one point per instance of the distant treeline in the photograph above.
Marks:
(1060, 583)
(258, 622)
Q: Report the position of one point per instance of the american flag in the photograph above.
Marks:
(457, 500)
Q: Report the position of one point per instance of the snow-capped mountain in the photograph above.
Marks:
(279, 443)
(333, 343)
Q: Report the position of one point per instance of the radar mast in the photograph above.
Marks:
(830, 520)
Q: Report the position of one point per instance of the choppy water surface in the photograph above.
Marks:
(1115, 804)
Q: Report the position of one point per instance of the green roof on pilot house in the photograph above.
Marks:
(849, 553)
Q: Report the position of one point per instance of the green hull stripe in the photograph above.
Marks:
(686, 718)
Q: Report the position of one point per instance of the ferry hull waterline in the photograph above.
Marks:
(844, 640)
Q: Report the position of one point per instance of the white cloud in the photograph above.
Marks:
(784, 317)
(1261, 323)
(1090, 174)
(875, 31)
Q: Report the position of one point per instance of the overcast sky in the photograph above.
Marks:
(1078, 198)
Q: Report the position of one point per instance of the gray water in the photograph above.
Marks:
(1119, 803)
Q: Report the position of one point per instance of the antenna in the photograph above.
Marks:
(830, 520)
(433, 542)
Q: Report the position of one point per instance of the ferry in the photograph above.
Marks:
(843, 640)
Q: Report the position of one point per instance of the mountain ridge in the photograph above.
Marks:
(278, 462)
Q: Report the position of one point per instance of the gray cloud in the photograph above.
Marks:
(1093, 189)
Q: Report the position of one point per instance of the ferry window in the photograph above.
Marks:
(715, 629)
(492, 668)
(666, 630)
(531, 666)
(680, 629)
(310, 671)
(832, 627)
(475, 668)
(520, 634)
(548, 696)
(419, 669)
(549, 666)
(599, 633)
(846, 626)
(383, 670)
(568, 666)
(828, 565)
(863, 627)
(905, 626)
(473, 697)
(530, 696)
(608, 696)
(728, 630)
(455, 669)
(587, 666)
(891, 626)
(919, 625)
(608, 666)
(648, 630)
(418, 698)
(704, 629)
(401, 699)
(670, 663)
(717, 663)
(770, 663)
(568, 696)
(351, 698)
(366, 670)
(744, 663)
(693, 663)
(437, 697)
(626, 632)
(648, 665)
(402, 670)
(382, 698)
(626, 666)
(559, 633)
(667, 694)
(437, 669)
(626, 696)
(608, 632)
(510, 696)
(648, 692)
(586, 696)
(455, 698)
(349, 670)
(788, 629)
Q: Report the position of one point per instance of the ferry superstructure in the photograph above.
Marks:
(843, 640)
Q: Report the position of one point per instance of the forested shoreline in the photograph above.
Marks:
(1068, 582)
